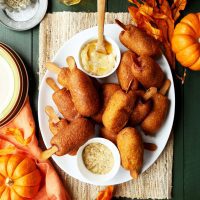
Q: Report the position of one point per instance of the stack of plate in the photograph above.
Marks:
(13, 84)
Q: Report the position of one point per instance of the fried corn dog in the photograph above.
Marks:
(75, 135)
(148, 72)
(154, 120)
(108, 89)
(130, 145)
(81, 87)
(138, 41)
(63, 100)
(118, 110)
(124, 72)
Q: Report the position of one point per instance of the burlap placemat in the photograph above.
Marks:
(156, 182)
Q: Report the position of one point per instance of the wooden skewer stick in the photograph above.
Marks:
(52, 84)
(52, 115)
(45, 155)
(101, 18)
(150, 146)
(53, 67)
(121, 24)
(71, 62)
(149, 93)
(165, 87)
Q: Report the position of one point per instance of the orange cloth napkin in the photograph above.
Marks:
(19, 136)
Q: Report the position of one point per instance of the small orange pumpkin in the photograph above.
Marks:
(19, 178)
(186, 41)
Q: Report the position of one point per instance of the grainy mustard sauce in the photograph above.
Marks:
(98, 158)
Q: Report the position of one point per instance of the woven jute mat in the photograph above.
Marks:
(156, 182)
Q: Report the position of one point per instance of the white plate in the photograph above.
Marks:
(68, 163)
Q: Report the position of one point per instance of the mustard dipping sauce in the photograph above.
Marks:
(97, 63)
(98, 158)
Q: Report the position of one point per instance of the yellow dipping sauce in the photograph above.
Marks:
(97, 63)
(98, 158)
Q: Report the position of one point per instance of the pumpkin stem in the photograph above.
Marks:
(9, 182)
(198, 40)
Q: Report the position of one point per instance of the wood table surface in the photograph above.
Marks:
(186, 168)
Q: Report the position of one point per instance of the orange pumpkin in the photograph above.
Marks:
(186, 41)
(19, 178)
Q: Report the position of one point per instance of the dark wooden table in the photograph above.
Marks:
(186, 169)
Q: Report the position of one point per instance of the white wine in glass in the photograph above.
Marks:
(70, 2)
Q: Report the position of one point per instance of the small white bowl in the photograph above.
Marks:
(115, 48)
(97, 178)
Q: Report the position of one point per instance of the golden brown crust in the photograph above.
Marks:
(62, 99)
(157, 116)
(109, 134)
(124, 72)
(58, 127)
(130, 145)
(139, 113)
(73, 136)
(108, 90)
(83, 92)
(148, 72)
(118, 110)
(139, 42)
(63, 77)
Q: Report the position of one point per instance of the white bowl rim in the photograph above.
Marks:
(116, 49)
(97, 177)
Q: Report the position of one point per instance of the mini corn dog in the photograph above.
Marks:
(138, 41)
(62, 99)
(57, 125)
(118, 110)
(130, 145)
(156, 117)
(70, 139)
(108, 90)
(124, 72)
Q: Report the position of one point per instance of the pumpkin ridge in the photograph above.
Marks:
(37, 183)
(186, 60)
(15, 166)
(188, 20)
(185, 33)
(20, 164)
(186, 48)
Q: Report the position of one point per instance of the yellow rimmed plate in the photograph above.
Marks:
(10, 83)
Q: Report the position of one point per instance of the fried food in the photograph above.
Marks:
(81, 87)
(62, 99)
(73, 136)
(109, 134)
(148, 72)
(108, 90)
(157, 116)
(138, 41)
(140, 112)
(124, 72)
(118, 110)
(65, 105)
(130, 145)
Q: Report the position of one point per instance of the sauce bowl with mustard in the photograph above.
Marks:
(97, 64)
(98, 160)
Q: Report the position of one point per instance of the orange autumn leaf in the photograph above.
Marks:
(19, 136)
(155, 32)
(106, 194)
(6, 147)
(176, 7)
(146, 11)
(157, 18)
